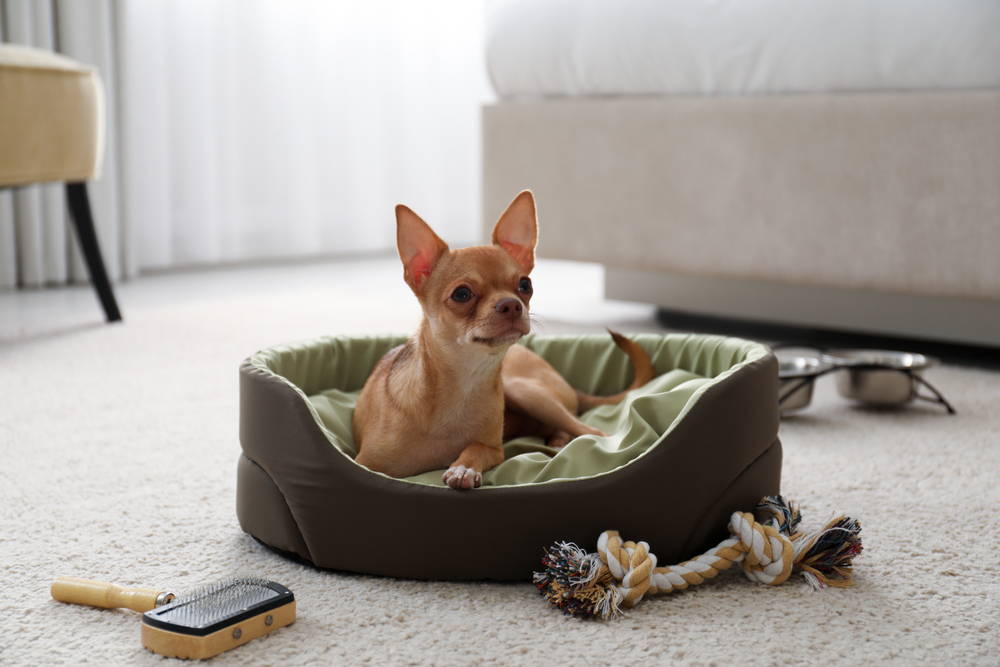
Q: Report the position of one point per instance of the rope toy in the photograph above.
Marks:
(621, 573)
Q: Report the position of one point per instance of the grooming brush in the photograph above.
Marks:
(199, 625)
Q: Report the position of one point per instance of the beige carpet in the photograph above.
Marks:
(119, 447)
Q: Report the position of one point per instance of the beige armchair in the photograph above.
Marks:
(51, 129)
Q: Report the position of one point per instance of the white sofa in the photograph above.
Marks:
(868, 199)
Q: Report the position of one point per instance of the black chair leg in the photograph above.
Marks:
(79, 207)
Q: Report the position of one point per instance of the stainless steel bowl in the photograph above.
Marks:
(796, 379)
(879, 377)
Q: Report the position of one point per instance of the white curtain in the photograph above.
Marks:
(249, 129)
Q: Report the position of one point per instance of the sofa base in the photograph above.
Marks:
(952, 320)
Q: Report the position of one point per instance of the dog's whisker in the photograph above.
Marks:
(537, 322)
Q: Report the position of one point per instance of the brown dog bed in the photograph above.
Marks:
(695, 444)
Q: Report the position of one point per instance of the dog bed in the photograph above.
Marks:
(686, 450)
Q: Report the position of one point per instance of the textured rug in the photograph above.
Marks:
(119, 448)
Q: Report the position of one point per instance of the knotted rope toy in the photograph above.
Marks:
(621, 573)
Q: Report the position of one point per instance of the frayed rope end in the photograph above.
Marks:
(829, 558)
(577, 582)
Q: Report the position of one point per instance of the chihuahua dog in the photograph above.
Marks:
(458, 388)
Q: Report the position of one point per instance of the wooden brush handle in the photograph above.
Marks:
(108, 596)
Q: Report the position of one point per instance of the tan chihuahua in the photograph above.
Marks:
(453, 393)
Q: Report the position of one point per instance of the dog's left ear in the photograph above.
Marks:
(517, 230)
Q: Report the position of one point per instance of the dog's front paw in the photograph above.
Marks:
(461, 477)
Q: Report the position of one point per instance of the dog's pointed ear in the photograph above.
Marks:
(418, 246)
(517, 230)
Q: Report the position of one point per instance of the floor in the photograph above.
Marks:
(118, 447)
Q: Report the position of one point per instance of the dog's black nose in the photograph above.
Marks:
(510, 307)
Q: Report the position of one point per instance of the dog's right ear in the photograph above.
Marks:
(419, 247)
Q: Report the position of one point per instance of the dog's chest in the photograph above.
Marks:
(459, 425)
(451, 430)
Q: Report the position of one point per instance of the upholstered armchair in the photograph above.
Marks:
(51, 129)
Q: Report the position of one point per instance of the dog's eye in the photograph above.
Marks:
(461, 294)
(524, 287)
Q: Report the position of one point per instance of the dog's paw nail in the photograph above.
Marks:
(459, 477)
(462, 477)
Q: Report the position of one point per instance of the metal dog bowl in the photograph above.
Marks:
(879, 377)
(796, 376)
(874, 377)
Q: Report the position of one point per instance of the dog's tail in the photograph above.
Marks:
(642, 364)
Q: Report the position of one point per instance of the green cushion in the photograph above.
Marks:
(330, 372)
